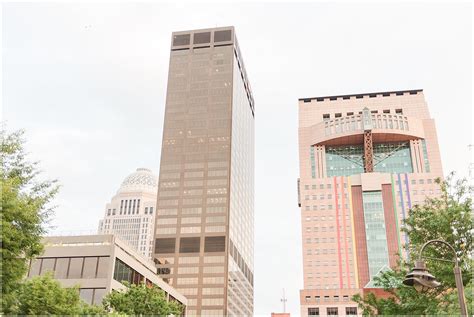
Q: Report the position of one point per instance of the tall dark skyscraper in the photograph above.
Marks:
(205, 209)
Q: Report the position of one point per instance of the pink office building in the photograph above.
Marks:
(365, 160)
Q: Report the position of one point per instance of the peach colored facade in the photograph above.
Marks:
(351, 211)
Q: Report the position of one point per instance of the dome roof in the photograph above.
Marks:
(141, 180)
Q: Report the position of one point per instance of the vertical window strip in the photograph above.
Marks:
(338, 237)
(425, 157)
(402, 202)
(396, 215)
(343, 207)
(313, 163)
(354, 249)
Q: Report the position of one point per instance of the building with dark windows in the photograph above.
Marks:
(130, 215)
(205, 208)
(98, 264)
(365, 161)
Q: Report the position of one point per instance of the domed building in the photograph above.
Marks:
(131, 212)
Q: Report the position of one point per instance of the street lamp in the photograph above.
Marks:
(422, 280)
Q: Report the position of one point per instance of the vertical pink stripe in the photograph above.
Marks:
(338, 234)
(345, 232)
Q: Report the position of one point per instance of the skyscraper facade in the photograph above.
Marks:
(365, 161)
(205, 208)
(131, 213)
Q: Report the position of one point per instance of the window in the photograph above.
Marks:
(86, 294)
(400, 111)
(332, 311)
(326, 116)
(222, 36)
(201, 38)
(386, 111)
(183, 39)
(165, 245)
(90, 267)
(103, 267)
(351, 311)
(48, 265)
(189, 245)
(313, 311)
(338, 115)
(214, 244)
(62, 265)
(75, 267)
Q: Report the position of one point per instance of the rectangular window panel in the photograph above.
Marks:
(222, 36)
(183, 39)
(214, 244)
(35, 267)
(165, 245)
(201, 38)
(90, 267)
(377, 250)
(86, 294)
(99, 294)
(62, 265)
(103, 267)
(48, 265)
(75, 268)
(189, 245)
(313, 311)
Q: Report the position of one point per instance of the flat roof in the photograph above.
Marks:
(412, 91)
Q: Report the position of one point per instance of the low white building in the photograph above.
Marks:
(131, 212)
(98, 264)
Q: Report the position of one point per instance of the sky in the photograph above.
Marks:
(87, 82)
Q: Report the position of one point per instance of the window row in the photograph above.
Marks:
(190, 245)
(332, 311)
(71, 267)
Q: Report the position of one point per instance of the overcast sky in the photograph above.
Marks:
(88, 84)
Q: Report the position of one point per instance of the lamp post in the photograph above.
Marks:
(421, 279)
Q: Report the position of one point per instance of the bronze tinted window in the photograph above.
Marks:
(75, 268)
(313, 311)
(103, 267)
(221, 36)
(35, 267)
(201, 38)
(183, 39)
(62, 265)
(48, 265)
(189, 245)
(214, 244)
(165, 245)
(90, 267)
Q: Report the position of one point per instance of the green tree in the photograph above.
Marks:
(141, 300)
(449, 218)
(24, 210)
(43, 295)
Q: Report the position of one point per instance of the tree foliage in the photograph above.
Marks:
(449, 218)
(43, 295)
(24, 210)
(141, 300)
